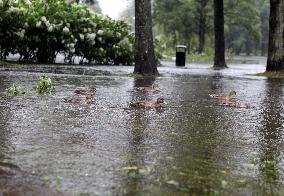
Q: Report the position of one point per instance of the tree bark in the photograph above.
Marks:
(275, 61)
(145, 62)
(201, 38)
(263, 49)
(219, 59)
(248, 48)
(202, 24)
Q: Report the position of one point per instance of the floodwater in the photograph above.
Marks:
(193, 146)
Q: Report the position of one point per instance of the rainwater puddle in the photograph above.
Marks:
(193, 146)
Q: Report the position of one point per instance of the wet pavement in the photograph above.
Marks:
(193, 146)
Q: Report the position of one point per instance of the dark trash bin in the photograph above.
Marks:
(180, 55)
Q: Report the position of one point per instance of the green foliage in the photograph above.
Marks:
(181, 22)
(44, 86)
(174, 18)
(134, 75)
(128, 15)
(242, 25)
(93, 4)
(11, 21)
(158, 51)
(15, 90)
(205, 57)
(136, 170)
(272, 74)
(40, 30)
(263, 6)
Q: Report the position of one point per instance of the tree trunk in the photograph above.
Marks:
(263, 48)
(248, 48)
(275, 61)
(201, 34)
(145, 62)
(219, 60)
(202, 25)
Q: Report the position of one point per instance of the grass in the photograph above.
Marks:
(44, 86)
(200, 58)
(15, 90)
(206, 57)
(11, 65)
(134, 75)
(271, 74)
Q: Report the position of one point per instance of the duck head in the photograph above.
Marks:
(232, 93)
(93, 89)
(89, 96)
(156, 87)
(160, 100)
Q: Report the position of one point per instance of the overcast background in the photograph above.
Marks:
(112, 7)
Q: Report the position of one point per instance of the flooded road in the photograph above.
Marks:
(193, 146)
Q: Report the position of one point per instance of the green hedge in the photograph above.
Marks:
(39, 30)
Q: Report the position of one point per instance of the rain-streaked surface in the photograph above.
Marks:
(192, 146)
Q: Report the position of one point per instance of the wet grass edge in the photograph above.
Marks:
(269, 74)
(11, 65)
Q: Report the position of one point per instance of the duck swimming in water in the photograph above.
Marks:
(82, 101)
(147, 105)
(152, 88)
(237, 105)
(229, 97)
(86, 92)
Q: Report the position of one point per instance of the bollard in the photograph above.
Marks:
(180, 55)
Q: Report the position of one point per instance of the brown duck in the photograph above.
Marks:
(237, 105)
(229, 97)
(82, 101)
(152, 88)
(86, 92)
(147, 105)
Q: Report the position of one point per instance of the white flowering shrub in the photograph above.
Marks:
(38, 30)
(11, 26)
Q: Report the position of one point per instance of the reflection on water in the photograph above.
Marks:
(271, 137)
(5, 146)
(193, 147)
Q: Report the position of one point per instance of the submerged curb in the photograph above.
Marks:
(54, 69)
(13, 181)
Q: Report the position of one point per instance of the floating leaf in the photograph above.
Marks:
(241, 181)
(15, 90)
(254, 161)
(223, 172)
(129, 168)
(145, 171)
(224, 183)
(44, 86)
(172, 182)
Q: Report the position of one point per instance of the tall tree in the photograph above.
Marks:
(202, 23)
(275, 61)
(128, 14)
(242, 24)
(219, 59)
(93, 4)
(245, 24)
(145, 63)
(191, 25)
(263, 6)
